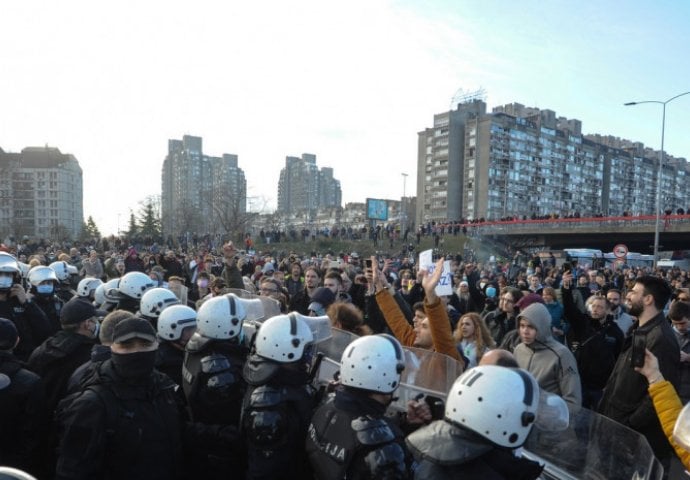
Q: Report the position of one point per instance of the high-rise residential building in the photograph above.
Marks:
(303, 187)
(42, 194)
(518, 161)
(201, 194)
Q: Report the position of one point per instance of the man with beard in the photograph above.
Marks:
(300, 302)
(626, 399)
(466, 302)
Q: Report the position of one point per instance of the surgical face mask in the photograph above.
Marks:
(45, 289)
(202, 283)
(6, 281)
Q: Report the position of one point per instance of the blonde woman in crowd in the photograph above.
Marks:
(473, 338)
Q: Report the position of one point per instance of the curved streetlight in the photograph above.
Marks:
(661, 164)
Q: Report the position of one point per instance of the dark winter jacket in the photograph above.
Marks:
(56, 359)
(626, 399)
(116, 430)
(596, 345)
(23, 416)
(32, 325)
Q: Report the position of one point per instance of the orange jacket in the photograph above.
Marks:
(439, 324)
(668, 407)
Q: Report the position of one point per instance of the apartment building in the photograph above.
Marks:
(200, 193)
(303, 187)
(519, 161)
(42, 193)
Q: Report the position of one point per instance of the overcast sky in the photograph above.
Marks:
(351, 82)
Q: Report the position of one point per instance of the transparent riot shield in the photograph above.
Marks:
(593, 447)
(259, 308)
(332, 351)
(427, 374)
(180, 291)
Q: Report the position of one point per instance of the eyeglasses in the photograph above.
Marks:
(268, 290)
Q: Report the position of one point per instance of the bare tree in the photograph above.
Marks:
(230, 213)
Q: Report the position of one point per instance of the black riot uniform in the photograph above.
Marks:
(214, 388)
(350, 437)
(446, 451)
(212, 379)
(169, 360)
(51, 305)
(275, 418)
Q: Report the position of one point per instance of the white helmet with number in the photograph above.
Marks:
(283, 338)
(156, 300)
(221, 317)
(40, 274)
(88, 285)
(135, 284)
(498, 403)
(373, 362)
(173, 320)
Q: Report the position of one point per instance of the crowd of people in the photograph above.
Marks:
(160, 364)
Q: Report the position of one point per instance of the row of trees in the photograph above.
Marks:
(145, 223)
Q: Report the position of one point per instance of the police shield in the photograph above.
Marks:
(428, 375)
(592, 446)
(332, 351)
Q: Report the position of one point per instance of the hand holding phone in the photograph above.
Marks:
(638, 348)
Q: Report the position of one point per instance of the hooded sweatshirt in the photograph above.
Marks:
(549, 361)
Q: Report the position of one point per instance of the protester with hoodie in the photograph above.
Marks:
(551, 363)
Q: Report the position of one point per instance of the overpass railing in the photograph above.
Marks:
(632, 223)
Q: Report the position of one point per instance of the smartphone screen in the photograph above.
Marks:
(638, 349)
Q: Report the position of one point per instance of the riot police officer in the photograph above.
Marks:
(212, 375)
(43, 283)
(349, 436)
(176, 325)
(130, 290)
(489, 413)
(280, 399)
(64, 272)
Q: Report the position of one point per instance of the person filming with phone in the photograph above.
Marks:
(626, 398)
(594, 339)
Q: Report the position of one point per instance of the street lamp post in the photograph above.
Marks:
(661, 165)
(403, 213)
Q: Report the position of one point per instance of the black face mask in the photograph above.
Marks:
(134, 366)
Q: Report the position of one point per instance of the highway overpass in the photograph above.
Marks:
(601, 233)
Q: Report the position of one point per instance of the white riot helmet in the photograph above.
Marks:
(173, 320)
(104, 293)
(498, 403)
(374, 363)
(62, 270)
(135, 284)
(156, 300)
(221, 317)
(283, 338)
(87, 286)
(40, 274)
(8, 264)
